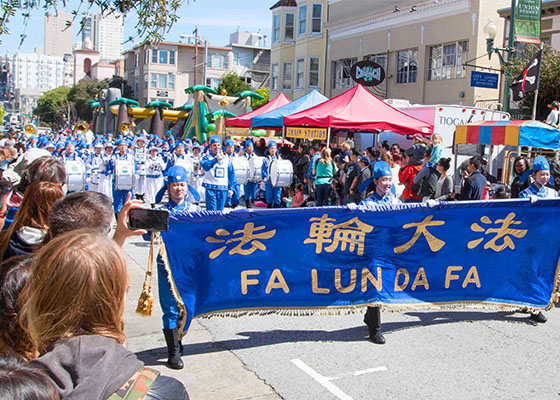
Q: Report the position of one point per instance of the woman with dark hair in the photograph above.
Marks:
(444, 186)
(30, 224)
(14, 340)
(79, 333)
(520, 165)
(302, 161)
(22, 381)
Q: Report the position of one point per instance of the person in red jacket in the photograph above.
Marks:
(406, 177)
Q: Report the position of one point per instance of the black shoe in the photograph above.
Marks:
(539, 317)
(377, 338)
(173, 349)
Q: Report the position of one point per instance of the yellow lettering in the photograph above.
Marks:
(449, 276)
(421, 280)
(315, 282)
(368, 276)
(277, 281)
(338, 284)
(245, 282)
(472, 277)
(404, 272)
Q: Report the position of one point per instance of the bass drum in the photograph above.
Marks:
(75, 175)
(281, 173)
(241, 168)
(124, 175)
(255, 168)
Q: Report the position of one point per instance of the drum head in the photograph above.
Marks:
(241, 168)
(274, 173)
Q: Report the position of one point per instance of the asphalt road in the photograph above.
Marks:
(428, 355)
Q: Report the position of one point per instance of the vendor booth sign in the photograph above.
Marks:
(367, 73)
(238, 131)
(307, 133)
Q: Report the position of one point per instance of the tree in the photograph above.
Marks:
(120, 83)
(264, 92)
(2, 113)
(549, 87)
(233, 84)
(79, 95)
(52, 107)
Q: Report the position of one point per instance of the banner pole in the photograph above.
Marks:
(534, 116)
(283, 134)
(328, 135)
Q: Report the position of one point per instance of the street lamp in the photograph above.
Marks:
(491, 30)
(185, 36)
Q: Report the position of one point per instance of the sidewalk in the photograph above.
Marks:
(210, 372)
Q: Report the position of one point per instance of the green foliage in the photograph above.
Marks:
(79, 95)
(154, 18)
(52, 107)
(264, 92)
(2, 113)
(549, 87)
(233, 84)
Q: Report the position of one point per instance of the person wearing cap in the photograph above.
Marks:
(250, 188)
(219, 176)
(176, 184)
(122, 154)
(154, 178)
(552, 118)
(178, 157)
(233, 200)
(273, 194)
(140, 157)
(94, 167)
(383, 180)
(105, 185)
(198, 173)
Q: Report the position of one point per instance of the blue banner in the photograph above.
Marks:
(500, 254)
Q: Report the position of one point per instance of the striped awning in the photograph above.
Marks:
(509, 133)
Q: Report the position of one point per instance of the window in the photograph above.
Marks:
(163, 56)
(218, 61)
(274, 77)
(213, 82)
(153, 82)
(316, 19)
(172, 57)
(146, 57)
(289, 27)
(341, 73)
(446, 60)
(287, 71)
(407, 66)
(314, 72)
(145, 81)
(154, 56)
(380, 59)
(136, 59)
(171, 82)
(275, 28)
(302, 20)
(162, 81)
(300, 67)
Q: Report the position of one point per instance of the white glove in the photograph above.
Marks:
(229, 193)
(226, 211)
(432, 203)
(533, 198)
(219, 156)
(352, 206)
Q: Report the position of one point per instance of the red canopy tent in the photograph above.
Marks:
(244, 121)
(358, 109)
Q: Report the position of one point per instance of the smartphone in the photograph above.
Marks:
(148, 219)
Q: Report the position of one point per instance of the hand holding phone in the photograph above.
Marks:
(148, 219)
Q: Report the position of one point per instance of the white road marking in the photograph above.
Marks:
(358, 373)
(323, 381)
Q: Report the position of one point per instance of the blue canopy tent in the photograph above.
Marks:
(275, 119)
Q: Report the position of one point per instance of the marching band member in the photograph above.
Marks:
(154, 179)
(273, 194)
(95, 167)
(165, 153)
(198, 172)
(233, 200)
(219, 176)
(119, 196)
(250, 188)
(383, 179)
(177, 187)
(106, 177)
(69, 152)
(140, 156)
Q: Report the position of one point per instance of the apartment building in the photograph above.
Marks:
(299, 47)
(58, 36)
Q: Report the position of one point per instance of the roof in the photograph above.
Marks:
(244, 121)
(358, 109)
(284, 3)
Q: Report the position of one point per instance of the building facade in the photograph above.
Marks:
(58, 36)
(105, 33)
(421, 45)
(299, 47)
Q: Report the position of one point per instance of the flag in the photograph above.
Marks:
(528, 80)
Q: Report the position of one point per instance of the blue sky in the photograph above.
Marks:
(215, 19)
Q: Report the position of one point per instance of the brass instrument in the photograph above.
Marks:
(30, 129)
(125, 127)
(81, 127)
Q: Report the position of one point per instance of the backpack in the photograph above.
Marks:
(137, 386)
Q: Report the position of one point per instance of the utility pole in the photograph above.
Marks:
(196, 55)
(511, 42)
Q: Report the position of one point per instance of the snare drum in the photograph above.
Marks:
(241, 168)
(255, 168)
(124, 174)
(75, 175)
(281, 173)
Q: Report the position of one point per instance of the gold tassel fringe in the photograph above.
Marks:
(145, 305)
